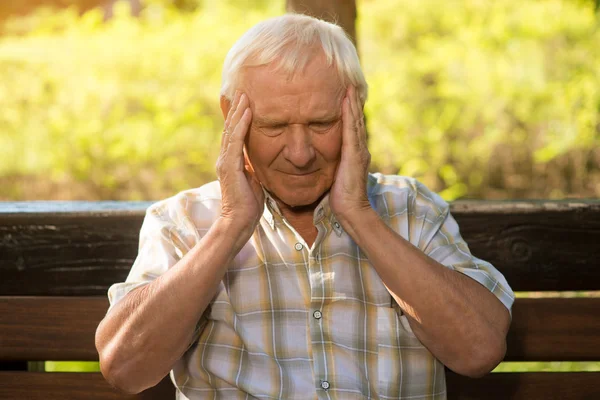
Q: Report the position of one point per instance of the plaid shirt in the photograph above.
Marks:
(293, 322)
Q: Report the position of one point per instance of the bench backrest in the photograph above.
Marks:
(58, 259)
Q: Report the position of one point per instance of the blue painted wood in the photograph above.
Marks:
(33, 207)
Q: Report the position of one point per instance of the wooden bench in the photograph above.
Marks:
(58, 259)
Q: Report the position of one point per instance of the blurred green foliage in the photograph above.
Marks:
(477, 99)
(71, 366)
(486, 99)
(128, 108)
(554, 366)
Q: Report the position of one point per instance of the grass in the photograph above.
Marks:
(80, 366)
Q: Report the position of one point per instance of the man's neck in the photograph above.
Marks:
(303, 224)
(301, 219)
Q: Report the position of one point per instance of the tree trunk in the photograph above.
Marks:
(136, 7)
(341, 12)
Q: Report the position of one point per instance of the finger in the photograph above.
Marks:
(235, 149)
(354, 102)
(349, 136)
(348, 98)
(359, 104)
(234, 120)
(224, 139)
(356, 109)
(226, 127)
(361, 119)
(234, 104)
(237, 115)
(359, 125)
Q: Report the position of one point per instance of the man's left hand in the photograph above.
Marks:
(348, 196)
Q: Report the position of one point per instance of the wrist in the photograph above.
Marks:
(354, 219)
(361, 224)
(237, 231)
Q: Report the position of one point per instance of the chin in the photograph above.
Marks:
(297, 203)
(300, 198)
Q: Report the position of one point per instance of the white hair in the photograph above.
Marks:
(288, 41)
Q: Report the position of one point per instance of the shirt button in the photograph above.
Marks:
(324, 385)
(336, 224)
(317, 314)
(298, 246)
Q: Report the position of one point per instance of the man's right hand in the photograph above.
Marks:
(137, 349)
(242, 195)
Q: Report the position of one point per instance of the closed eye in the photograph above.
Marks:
(273, 130)
(322, 126)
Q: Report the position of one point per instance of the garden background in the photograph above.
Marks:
(477, 99)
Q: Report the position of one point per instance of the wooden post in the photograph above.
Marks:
(341, 12)
(136, 7)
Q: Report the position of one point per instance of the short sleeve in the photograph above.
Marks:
(161, 246)
(440, 239)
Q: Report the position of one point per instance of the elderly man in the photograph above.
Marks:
(298, 274)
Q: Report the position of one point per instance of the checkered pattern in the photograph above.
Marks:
(292, 322)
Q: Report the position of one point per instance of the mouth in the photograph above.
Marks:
(299, 174)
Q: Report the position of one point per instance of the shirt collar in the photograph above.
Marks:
(270, 209)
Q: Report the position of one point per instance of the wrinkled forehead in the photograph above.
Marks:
(315, 88)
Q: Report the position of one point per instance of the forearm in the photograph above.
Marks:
(455, 317)
(147, 332)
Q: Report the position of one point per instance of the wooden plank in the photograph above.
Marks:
(72, 385)
(46, 249)
(538, 245)
(525, 386)
(66, 254)
(63, 328)
(50, 328)
(555, 330)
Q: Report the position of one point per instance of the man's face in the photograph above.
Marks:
(294, 143)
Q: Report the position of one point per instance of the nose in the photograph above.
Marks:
(299, 149)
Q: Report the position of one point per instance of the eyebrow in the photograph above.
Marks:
(269, 121)
(273, 121)
(327, 118)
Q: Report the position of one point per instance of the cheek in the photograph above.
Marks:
(262, 150)
(330, 145)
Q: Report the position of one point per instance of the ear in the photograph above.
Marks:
(225, 106)
(247, 161)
